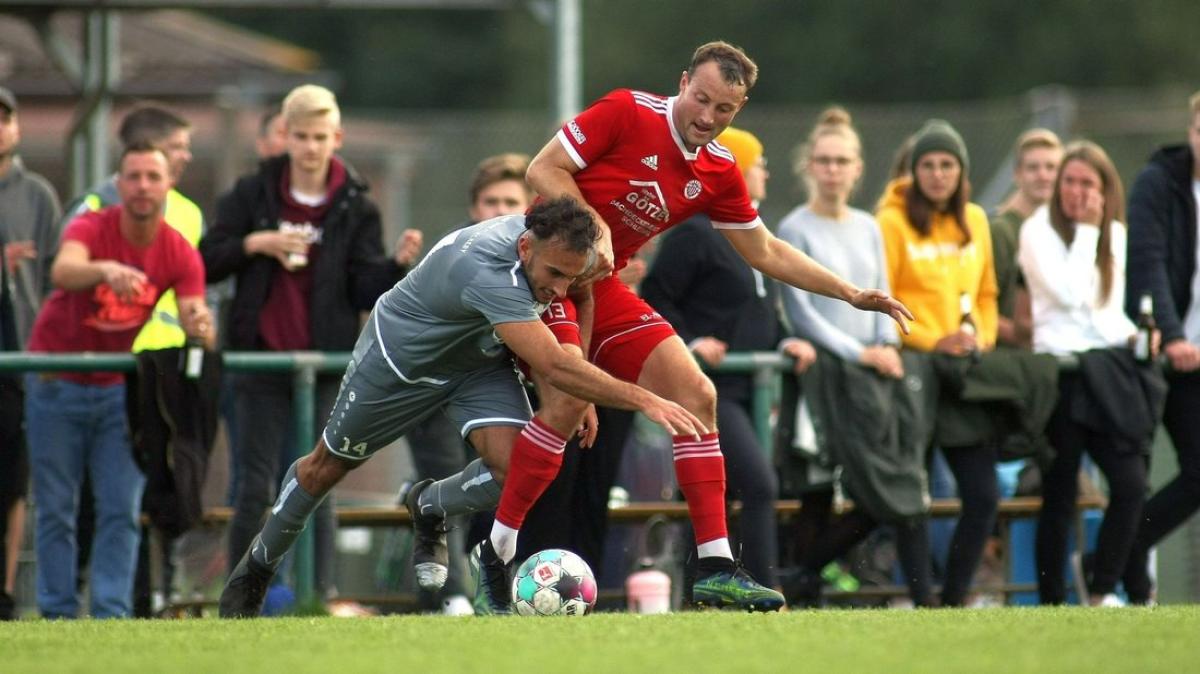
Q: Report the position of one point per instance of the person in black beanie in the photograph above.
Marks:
(938, 248)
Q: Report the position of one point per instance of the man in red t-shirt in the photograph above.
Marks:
(644, 163)
(111, 269)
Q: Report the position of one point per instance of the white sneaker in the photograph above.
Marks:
(1110, 600)
(457, 605)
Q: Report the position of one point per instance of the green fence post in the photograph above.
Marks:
(765, 377)
(765, 367)
(304, 381)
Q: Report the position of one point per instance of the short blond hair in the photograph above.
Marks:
(1194, 103)
(1036, 138)
(311, 100)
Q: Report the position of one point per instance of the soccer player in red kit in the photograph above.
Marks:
(643, 163)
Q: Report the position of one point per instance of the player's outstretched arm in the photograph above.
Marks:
(533, 343)
(781, 261)
(552, 174)
(873, 299)
(74, 269)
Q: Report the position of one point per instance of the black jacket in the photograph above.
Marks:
(700, 284)
(174, 422)
(876, 429)
(1006, 396)
(1115, 395)
(351, 272)
(1162, 239)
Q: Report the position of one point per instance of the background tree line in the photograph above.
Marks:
(851, 51)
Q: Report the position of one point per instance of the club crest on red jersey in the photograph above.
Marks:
(692, 189)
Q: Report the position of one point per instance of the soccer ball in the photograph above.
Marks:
(554, 582)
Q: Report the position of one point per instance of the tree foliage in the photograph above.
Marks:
(809, 51)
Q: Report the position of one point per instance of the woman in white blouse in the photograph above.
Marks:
(1072, 253)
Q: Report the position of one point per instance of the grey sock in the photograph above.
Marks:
(471, 490)
(285, 522)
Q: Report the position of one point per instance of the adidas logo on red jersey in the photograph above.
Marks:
(651, 161)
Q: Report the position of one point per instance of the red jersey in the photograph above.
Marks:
(637, 173)
(95, 319)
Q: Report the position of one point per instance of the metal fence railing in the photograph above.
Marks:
(306, 365)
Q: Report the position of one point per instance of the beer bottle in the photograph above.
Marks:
(966, 323)
(1145, 330)
(193, 357)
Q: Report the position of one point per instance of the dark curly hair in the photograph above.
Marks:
(565, 219)
(150, 123)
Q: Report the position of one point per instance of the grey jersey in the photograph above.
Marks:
(437, 322)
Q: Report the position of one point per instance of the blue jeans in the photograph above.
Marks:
(73, 428)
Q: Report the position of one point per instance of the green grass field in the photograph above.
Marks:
(1013, 641)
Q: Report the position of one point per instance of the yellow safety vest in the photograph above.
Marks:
(163, 331)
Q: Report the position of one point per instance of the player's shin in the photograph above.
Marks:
(285, 522)
(700, 472)
(536, 459)
(470, 490)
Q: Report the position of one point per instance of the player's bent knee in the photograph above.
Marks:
(563, 413)
(321, 470)
(497, 465)
(494, 446)
(697, 395)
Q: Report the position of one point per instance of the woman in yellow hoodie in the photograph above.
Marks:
(939, 257)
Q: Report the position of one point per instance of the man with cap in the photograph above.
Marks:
(29, 213)
(717, 304)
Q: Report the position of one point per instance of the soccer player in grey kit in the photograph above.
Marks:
(443, 339)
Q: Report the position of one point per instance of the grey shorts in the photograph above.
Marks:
(375, 407)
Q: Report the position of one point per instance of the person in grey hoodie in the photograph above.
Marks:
(29, 230)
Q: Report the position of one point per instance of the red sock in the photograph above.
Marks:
(700, 472)
(536, 457)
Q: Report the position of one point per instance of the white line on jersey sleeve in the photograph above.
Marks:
(737, 225)
(562, 138)
(718, 150)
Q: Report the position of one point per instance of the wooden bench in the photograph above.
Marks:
(1021, 507)
(640, 511)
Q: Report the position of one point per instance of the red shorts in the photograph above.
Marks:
(625, 329)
